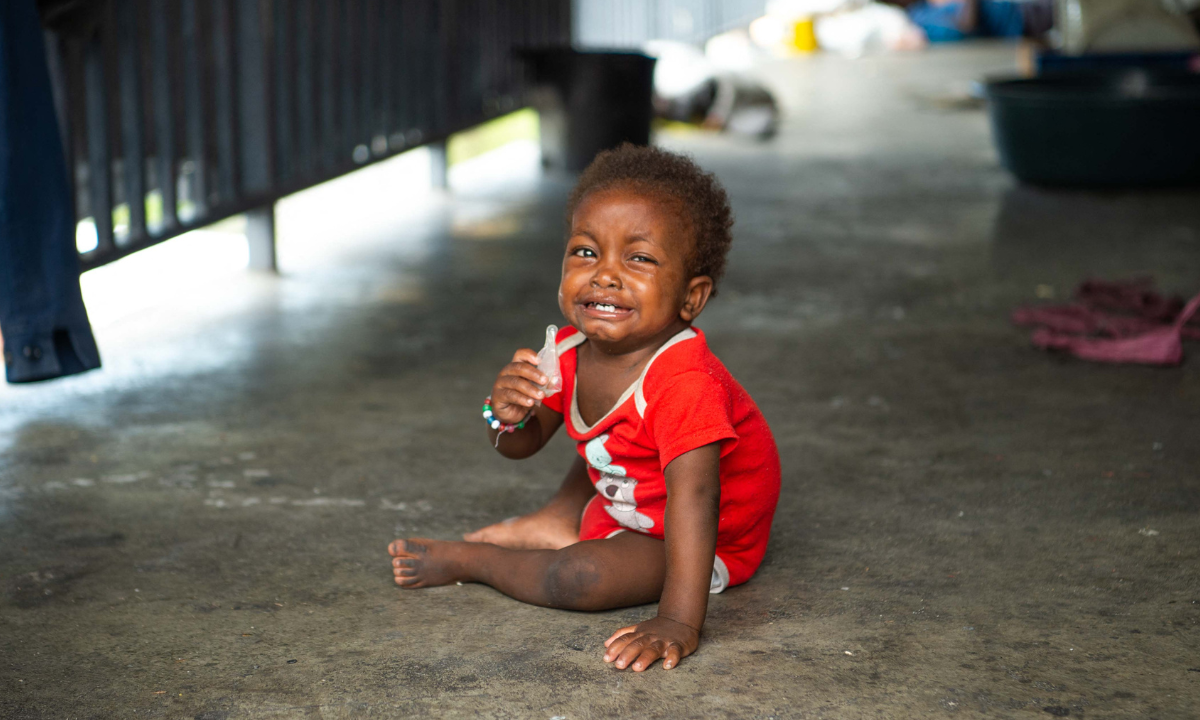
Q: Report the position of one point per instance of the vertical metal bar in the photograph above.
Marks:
(459, 53)
(465, 45)
(306, 94)
(100, 199)
(59, 59)
(328, 59)
(518, 40)
(504, 59)
(405, 68)
(536, 10)
(410, 64)
(285, 80)
(431, 66)
(132, 148)
(224, 102)
(507, 48)
(385, 57)
(489, 65)
(541, 22)
(253, 80)
(470, 42)
(449, 62)
(443, 11)
(164, 115)
(561, 13)
(499, 59)
(480, 70)
(422, 31)
(517, 68)
(349, 84)
(385, 94)
(368, 72)
(195, 80)
(74, 104)
(566, 15)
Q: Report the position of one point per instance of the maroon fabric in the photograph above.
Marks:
(1115, 322)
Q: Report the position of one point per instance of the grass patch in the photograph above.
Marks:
(519, 125)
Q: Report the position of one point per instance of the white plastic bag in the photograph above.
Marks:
(548, 363)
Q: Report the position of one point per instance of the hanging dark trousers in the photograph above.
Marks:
(45, 325)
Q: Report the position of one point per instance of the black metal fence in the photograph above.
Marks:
(178, 113)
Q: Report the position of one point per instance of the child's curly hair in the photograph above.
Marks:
(703, 200)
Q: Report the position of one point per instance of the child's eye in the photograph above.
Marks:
(644, 259)
(585, 252)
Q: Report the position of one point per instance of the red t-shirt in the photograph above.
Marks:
(685, 399)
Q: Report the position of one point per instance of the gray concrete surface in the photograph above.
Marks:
(969, 527)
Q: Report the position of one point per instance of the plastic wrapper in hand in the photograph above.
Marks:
(548, 363)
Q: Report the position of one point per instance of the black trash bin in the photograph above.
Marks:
(590, 101)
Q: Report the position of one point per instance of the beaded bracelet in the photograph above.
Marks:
(495, 424)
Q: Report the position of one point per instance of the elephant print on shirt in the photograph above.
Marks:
(615, 487)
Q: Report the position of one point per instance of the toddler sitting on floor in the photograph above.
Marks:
(673, 491)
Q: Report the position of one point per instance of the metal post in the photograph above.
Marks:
(260, 236)
(438, 165)
(552, 125)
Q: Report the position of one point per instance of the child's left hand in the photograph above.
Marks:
(638, 646)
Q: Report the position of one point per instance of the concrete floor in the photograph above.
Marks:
(968, 526)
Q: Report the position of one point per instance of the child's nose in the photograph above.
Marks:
(606, 277)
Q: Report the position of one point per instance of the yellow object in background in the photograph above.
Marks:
(804, 36)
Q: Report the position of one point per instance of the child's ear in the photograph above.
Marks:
(699, 289)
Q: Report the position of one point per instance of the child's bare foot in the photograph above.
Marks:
(541, 530)
(417, 562)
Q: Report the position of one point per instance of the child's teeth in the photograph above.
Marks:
(606, 308)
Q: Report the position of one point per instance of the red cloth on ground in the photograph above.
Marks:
(684, 400)
(1115, 322)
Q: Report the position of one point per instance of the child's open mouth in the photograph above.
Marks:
(604, 310)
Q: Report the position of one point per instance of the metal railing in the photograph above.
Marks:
(179, 113)
(630, 23)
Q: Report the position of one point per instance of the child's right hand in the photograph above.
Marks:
(518, 388)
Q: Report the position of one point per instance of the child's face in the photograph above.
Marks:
(625, 279)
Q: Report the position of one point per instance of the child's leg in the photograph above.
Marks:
(592, 575)
(554, 526)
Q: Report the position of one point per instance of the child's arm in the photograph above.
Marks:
(515, 393)
(693, 509)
